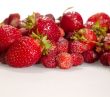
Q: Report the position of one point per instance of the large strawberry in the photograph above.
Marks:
(46, 26)
(71, 21)
(102, 18)
(8, 35)
(24, 52)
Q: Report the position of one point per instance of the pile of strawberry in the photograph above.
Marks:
(63, 43)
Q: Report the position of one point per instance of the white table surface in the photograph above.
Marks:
(87, 80)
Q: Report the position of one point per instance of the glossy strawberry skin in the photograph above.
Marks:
(77, 59)
(102, 18)
(71, 21)
(23, 53)
(77, 47)
(64, 60)
(105, 59)
(8, 35)
(46, 26)
(62, 45)
(90, 56)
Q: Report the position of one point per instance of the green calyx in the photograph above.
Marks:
(100, 31)
(44, 42)
(30, 21)
(79, 35)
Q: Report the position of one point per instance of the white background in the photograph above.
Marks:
(87, 80)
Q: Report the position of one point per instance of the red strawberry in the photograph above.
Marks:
(77, 59)
(49, 60)
(62, 45)
(77, 47)
(8, 35)
(64, 60)
(24, 52)
(105, 59)
(71, 21)
(46, 26)
(102, 18)
(90, 56)
(87, 36)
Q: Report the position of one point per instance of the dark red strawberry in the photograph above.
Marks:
(105, 59)
(102, 18)
(90, 56)
(87, 36)
(50, 16)
(64, 60)
(49, 60)
(62, 45)
(13, 20)
(46, 26)
(77, 47)
(24, 52)
(71, 21)
(77, 59)
(8, 35)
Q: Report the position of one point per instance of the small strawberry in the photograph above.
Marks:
(62, 45)
(8, 35)
(71, 21)
(46, 26)
(49, 60)
(24, 52)
(105, 59)
(64, 60)
(77, 47)
(90, 56)
(77, 59)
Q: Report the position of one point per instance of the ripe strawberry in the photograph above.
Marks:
(77, 47)
(71, 21)
(49, 60)
(8, 35)
(62, 45)
(87, 36)
(64, 60)
(46, 26)
(90, 56)
(102, 18)
(105, 59)
(77, 59)
(24, 52)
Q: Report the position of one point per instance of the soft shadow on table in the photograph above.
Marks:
(39, 68)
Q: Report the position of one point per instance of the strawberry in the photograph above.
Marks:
(46, 26)
(87, 36)
(50, 16)
(77, 47)
(49, 60)
(62, 45)
(77, 59)
(23, 52)
(90, 56)
(64, 60)
(105, 59)
(71, 21)
(13, 20)
(8, 35)
(102, 18)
